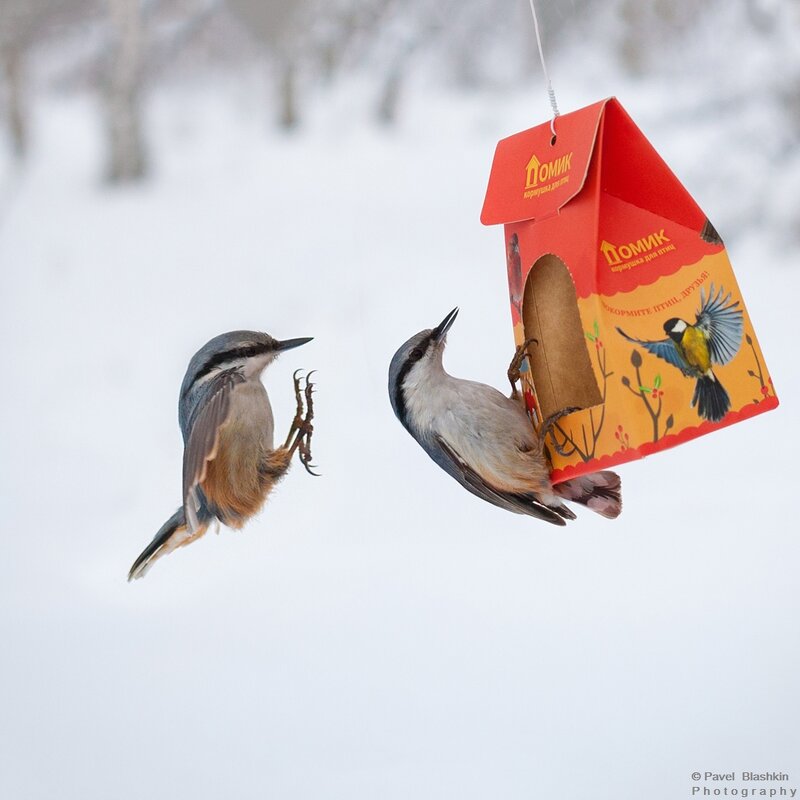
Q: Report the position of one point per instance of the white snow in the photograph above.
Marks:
(376, 632)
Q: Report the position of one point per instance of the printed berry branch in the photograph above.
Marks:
(655, 392)
(759, 375)
(567, 445)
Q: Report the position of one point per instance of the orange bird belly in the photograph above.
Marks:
(234, 483)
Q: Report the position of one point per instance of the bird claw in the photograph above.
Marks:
(547, 428)
(520, 355)
(299, 437)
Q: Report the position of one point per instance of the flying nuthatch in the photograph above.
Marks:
(230, 463)
(483, 439)
(713, 339)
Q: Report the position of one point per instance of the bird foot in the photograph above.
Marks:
(299, 437)
(547, 428)
(516, 362)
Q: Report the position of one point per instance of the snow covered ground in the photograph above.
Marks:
(376, 632)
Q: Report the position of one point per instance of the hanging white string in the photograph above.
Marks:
(550, 91)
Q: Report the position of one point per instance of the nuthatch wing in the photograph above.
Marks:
(230, 463)
(483, 439)
(714, 338)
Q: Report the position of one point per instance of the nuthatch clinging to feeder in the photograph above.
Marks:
(483, 439)
(230, 463)
(714, 338)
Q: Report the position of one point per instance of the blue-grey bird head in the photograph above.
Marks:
(248, 352)
(419, 353)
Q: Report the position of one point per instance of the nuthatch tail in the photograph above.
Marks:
(483, 439)
(714, 338)
(230, 463)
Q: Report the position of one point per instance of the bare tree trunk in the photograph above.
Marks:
(287, 94)
(390, 97)
(632, 47)
(11, 54)
(123, 95)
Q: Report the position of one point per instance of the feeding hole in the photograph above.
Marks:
(561, 369)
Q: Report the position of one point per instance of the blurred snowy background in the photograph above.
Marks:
(174, 168)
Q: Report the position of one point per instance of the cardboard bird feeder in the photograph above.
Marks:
(627, 290)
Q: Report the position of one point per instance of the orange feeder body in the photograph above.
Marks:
(605, 250)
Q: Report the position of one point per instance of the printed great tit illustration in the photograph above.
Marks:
(514, 266)
(714, 338)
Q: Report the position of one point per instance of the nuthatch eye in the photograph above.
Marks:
(482, 438)
(230, 462)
